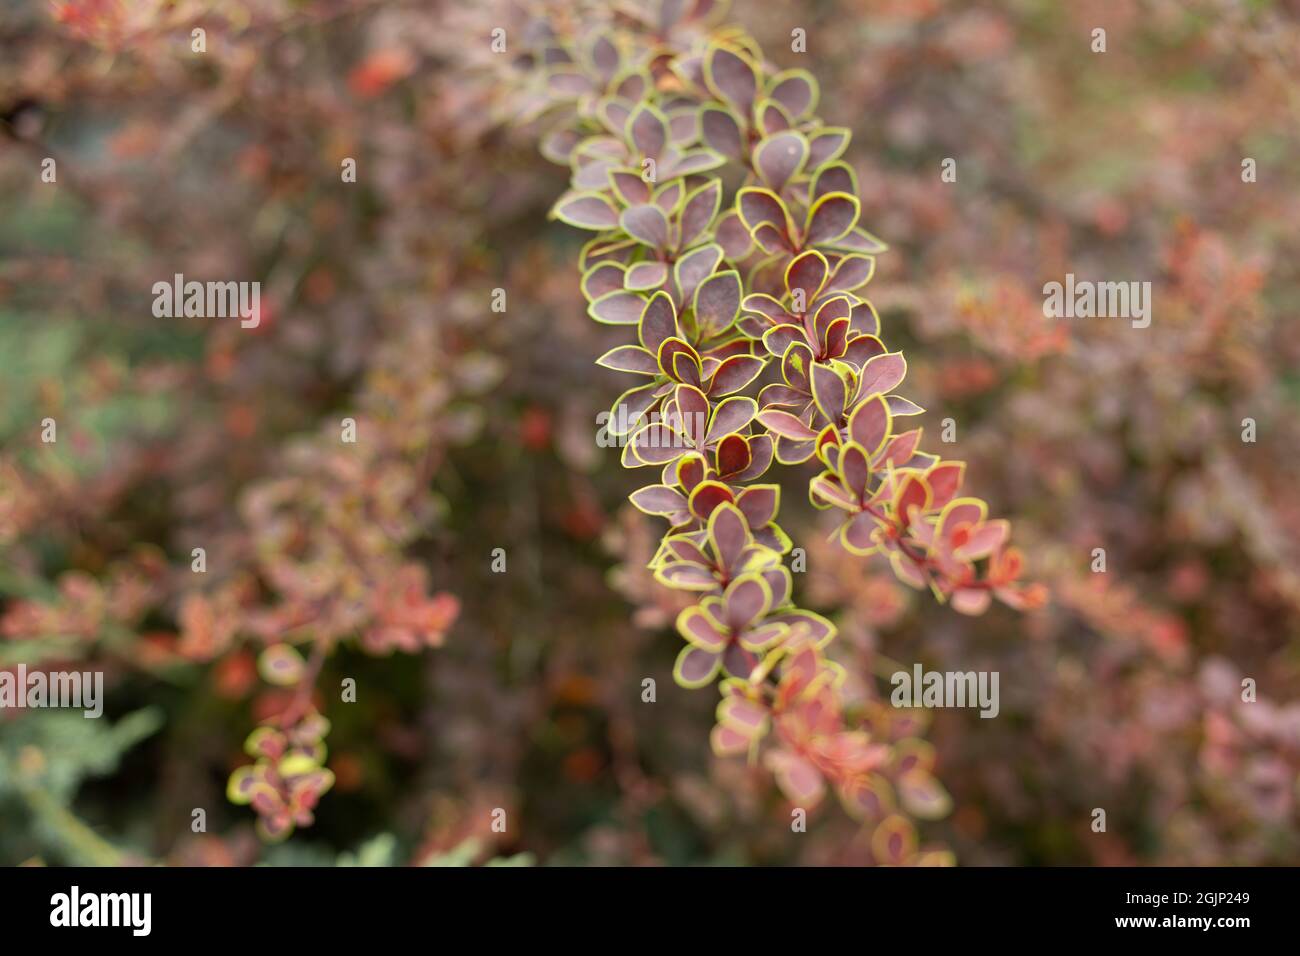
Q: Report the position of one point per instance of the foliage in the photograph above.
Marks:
(720, 293)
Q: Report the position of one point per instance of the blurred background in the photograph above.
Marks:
(478, 432)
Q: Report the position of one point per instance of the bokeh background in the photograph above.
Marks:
(479, 432)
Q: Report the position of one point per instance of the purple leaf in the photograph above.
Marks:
(759, 206)
(630, 187)
(733, 455)
(834, 178)
(720, 131)
(827, 145)
(698, 626)
(746, 599)
(760, 452)
(630, 358)
(698, 213)
(644, 276)
(759, 504)
(731, 77)
(646, 224)
(601, 280)
(617, 308)
(658, 500)
(733, 236)
(882, 374)
(829, 392)
(647, 131)
(870, 423)
(717, 301)
(831, 218)
(796, 91)
(780, 158)
(856, 469)
(852, 272)
(807, 274)
(696, 667)
(728, 534)
(734, 374)
(657, 322)
(730, 415)
(587, 211)
(784, 424)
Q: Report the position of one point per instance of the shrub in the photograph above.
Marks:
(717, 297)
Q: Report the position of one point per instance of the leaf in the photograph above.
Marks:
(816, 628)
(686, 577)
(733, 455)
(604, 57)
(734, 374)
(795, 90)
(721, 131)
(602, 279)
(746, 600)
(733, 236)
(783, 423)
(701, 629)
(869, 424)
(658, 500)
(629, 408)
(657, 444)
(696, 667)
(806, 274)
(831, 218)
(281, 665)
(717, 302)
(759, 504)
(657, 322)
(780, 158)
(945, 481)
(859, 240)
(647, 131)
(728, 534)
(694, 267)
(645, 276)
(557, 145)
(617, 308)
(799, 780)
(829, 392)
(695, 161)
(730, 416)
(646, 224)
(587, 210)
(698, 212)
(241, 785)
(732, 78)
(923, 796)
(630, 358)
(772, 118)
(853, 272)
(762, 206)
(855, 467)
(706, 496)
(834, 178)
(826, 145)
(882, 374)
